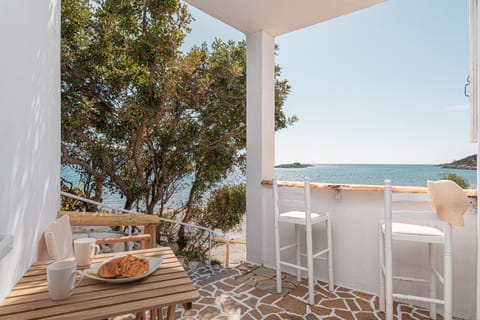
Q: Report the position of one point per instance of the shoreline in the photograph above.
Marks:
(457, 167)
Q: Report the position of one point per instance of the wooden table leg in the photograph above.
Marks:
(160, 313)
(153, 314)
(171, 312)
(187, 306)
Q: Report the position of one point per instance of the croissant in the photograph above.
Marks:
(132, 266)
(110, 269)
(128, 267)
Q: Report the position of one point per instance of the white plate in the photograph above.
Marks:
(153, 264)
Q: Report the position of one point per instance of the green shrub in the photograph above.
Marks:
(462, 182)
(215, 262)
(190, 255)
(225, 209)
(69, 204)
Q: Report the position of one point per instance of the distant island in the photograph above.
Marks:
(294, 165)
(468, 163)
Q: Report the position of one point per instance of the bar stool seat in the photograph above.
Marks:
(417, 233)
(299, 217)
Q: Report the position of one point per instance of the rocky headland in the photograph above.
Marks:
(295, 165)
(468, 163)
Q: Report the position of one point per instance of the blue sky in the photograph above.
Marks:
(382, 85)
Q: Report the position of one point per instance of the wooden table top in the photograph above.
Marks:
(91, 299)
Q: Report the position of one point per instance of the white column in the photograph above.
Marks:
(477, 272)
(29, 129)
(474, 103)
(260, 137)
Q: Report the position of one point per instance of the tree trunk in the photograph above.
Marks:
(97, 197)
(129, 203)
(182, 240)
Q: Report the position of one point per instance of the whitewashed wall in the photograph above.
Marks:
(355, 244)
(29, 128)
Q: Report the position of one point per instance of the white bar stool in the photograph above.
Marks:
(307, 219)
(389, 230)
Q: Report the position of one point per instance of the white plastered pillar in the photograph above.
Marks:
(475, 133)
(260, 136)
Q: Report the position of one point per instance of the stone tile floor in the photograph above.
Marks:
(248, 292)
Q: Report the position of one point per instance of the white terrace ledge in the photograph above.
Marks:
(360, 187)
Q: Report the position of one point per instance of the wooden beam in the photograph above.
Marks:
(359, 187)
(143, 238)
(109, 219)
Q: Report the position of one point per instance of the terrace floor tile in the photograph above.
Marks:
(249, 292)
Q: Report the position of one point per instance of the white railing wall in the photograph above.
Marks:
(354, 216)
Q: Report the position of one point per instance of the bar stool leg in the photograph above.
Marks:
(381, 256)
(388, 279)
(448, 273)
(388, 253)
(433, 280)
(277, 257)
(311, 293)
(331, 280)
(297, 241)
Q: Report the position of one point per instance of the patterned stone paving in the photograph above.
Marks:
(248, 292)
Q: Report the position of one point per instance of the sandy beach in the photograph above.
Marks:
(237, 252)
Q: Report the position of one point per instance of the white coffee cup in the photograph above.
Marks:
(85, 249)
(61, 279)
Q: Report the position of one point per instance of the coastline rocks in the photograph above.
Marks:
(463, 167)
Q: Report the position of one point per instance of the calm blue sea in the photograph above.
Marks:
(400, 174)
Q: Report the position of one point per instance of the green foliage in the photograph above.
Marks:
(69, 204)
(225, 208)
(215, 262)
(462, 182)
(190, 255)
(119, 95)
(140, 117)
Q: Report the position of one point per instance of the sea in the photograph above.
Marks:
(372, 174)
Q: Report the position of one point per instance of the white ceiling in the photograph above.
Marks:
(277, 17)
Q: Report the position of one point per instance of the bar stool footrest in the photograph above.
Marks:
(417, 298)
(410, 279)
(288, 264)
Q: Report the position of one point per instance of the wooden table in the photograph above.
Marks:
(168, 286)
